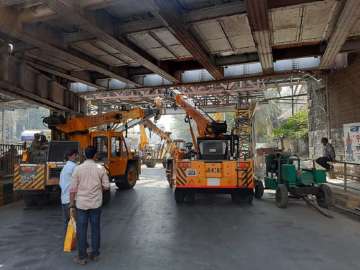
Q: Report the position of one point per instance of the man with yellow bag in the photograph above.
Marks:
(88, 182)
(65, 181)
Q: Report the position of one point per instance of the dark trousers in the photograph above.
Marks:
(323, 162)
(66, 215)
(83, 217)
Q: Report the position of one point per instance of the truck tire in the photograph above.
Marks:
(282, 196)
(179, 195)
(259, 189)
(324, 198)
(129, 180)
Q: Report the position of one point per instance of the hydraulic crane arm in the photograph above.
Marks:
(162, 134)
(83, 123)
(206, 126)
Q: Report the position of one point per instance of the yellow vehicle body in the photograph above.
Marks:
(226, 174)
(37, 177)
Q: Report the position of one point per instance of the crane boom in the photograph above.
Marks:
(162, 134)
(206, 126)
(83, 123)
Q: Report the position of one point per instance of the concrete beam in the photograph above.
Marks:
(53, 70)
(169, 14)
(285, 3)
(20, 81)
(11, 24)
(105, 32)
(347, 18)
(259, 23)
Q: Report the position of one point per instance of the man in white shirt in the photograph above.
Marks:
(86, 195)
(328, 155)
(65, 181)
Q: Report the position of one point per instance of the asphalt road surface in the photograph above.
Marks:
(143, 228)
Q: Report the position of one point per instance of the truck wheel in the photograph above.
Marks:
(259, 189)
(130, 178)
(324, 197)
(179, 195)
(282, 196)
(106, 197)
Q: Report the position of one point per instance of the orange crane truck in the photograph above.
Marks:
(213, 164)
(37, 176)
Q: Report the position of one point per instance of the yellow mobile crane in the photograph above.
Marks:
(156, 154)
(38, 174)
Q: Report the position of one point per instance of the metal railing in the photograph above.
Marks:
(347, 170)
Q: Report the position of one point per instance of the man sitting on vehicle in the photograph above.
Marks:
(328, 155)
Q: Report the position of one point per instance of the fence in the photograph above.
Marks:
(350, 172)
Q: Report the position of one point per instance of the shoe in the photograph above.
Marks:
(77, 260)
(94, 258)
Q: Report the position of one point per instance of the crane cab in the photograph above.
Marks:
(122, 164)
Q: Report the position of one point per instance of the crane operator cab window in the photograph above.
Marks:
(101, 145)
(115, 146)
(213, 149)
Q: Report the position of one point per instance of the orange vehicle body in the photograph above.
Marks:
(36, 178)
(228, 174)
(122, 164)
(200, 170)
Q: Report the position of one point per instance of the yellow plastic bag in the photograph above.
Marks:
(70, 237)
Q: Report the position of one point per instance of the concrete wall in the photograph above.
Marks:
(318, 117)
(334, 105)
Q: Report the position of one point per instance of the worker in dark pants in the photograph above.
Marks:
(88, 182)
(65, 181)
(328, 155)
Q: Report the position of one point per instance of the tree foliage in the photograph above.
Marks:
(295, 127)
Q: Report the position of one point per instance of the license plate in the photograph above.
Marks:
(190, 172)
(213, 181)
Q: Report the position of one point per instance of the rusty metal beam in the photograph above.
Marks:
(222, 87)
(347, 18)
(259, 23)
(105, 33)
(191, 90)
(170, 14)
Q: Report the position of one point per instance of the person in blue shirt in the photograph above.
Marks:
(65, 181)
